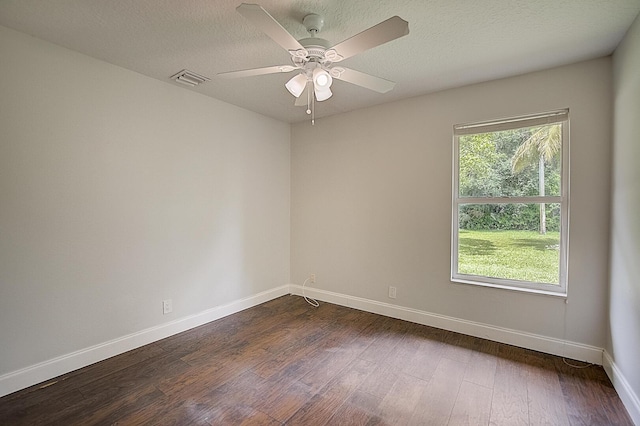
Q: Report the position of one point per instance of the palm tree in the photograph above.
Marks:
(541, 147)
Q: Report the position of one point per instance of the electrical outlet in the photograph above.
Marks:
(312, 278)
(392, 292)
(167, 306)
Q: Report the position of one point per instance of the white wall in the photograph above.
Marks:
(118, 191)
(623, 345)
(371, 202)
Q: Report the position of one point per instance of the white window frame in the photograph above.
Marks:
(552, 117)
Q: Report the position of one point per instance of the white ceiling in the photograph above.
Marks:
(451, 42)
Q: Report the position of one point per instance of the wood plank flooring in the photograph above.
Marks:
(286, 362)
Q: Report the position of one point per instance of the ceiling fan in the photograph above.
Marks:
(314, 58)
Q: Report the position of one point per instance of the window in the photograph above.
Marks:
(511, 203)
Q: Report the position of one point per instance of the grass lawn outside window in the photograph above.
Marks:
(515, 255)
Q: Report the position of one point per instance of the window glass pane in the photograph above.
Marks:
(516, 163)
(510, 241)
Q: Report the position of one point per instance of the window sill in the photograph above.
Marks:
(561, 294)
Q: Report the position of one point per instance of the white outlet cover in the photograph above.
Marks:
(167, 306)
(392, 292)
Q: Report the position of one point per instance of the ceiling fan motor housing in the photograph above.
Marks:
(315, 49)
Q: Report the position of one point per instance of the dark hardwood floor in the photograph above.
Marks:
(285, 362)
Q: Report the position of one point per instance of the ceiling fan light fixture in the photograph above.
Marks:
(296, 85)
(321, 79)
(323, 94)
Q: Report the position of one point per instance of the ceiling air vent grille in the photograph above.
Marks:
(189, 78)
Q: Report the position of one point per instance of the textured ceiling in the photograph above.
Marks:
(451, 42)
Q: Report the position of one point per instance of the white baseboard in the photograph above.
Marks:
(55, 367)
(521, 339)
(49, 369)
(625, 391)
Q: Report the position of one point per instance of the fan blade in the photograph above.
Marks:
(265, 22)
(303, 99)
(257, 71)
(361, 79)
(384, 32)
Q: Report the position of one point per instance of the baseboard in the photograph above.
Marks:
(521, 339)
(20, 379)
(629, 398)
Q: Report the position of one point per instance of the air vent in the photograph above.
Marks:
(189, 78)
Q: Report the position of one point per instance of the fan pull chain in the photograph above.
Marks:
(311, 106)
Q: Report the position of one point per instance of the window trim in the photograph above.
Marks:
(551, 117)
